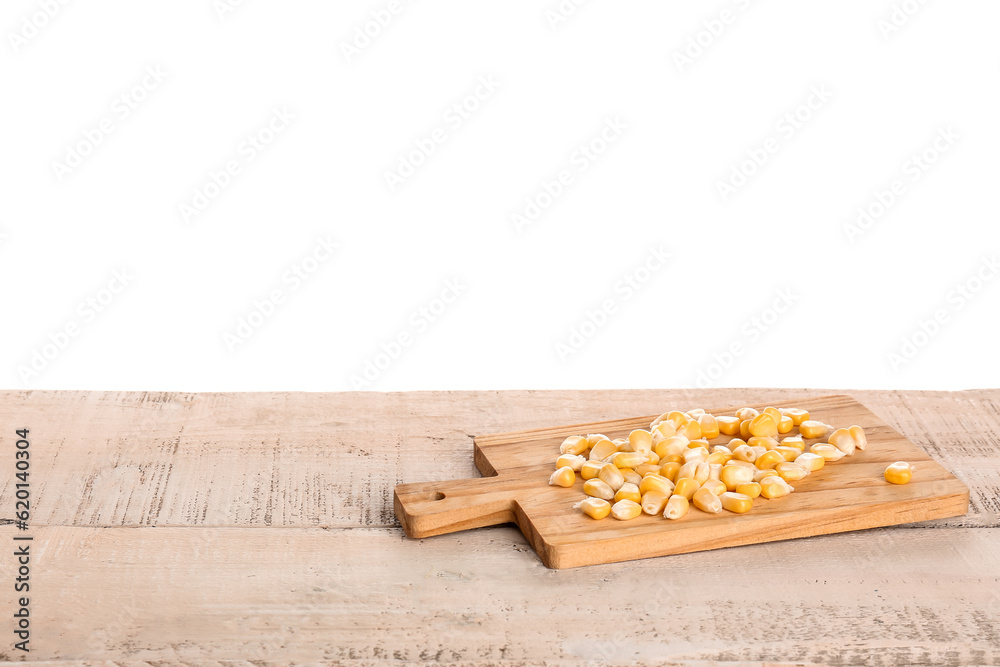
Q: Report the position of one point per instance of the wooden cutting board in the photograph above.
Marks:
(850, 494)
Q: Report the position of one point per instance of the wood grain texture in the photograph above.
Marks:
(850, 494)
(201, 528)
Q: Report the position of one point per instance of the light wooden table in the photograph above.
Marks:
(193, 528)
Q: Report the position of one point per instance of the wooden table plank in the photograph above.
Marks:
(919, 596)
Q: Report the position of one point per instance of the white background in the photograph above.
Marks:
(893, 87)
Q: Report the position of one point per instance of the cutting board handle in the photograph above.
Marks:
(435, 508)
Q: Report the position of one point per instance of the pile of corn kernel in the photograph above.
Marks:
(673, 465)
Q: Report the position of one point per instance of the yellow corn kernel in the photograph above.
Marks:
(813, 429)
(656, 483)
(735, 442)
(612, 476)
(574, 461)
(677, 418)
(686, 486)
(690, 430)
(669, 470)
(768, 460)
(563, 477)
(714, 470)
(842, 440)
(745, 464)
(665, 429)
(707, 501)
(596, 508)
(899, 472)
(602, 450)
(709, 426)
(631, 476)
(736, 502)
(795, 441)
(722, 448)
(721, 458)
(621, 444)
(653, 503)
(728, 425)
(626, 509)
(745, 429)
(648, 469)
(688, 469)
(759, 475)
(764, 426)
(733, 476)
(751, 489)
(672, 458)
(590, 469)
(595, 438)
(628, 459)
(698, 454)
(811, 462)
(574, 444)
(828, 452)
(785, 424)
(767, 442)
(659, 420)
(746, 413)
(790, 472)
(773, 412)
(697, 412)
(628, 492)
(598, 489)
(745, 453)
(674, 445)
(677, 506)
(640, 440)
(774, 487)
(759, 450)
(715, 486)
(860, 439)
(652, 457)
(790, 453)
(798, 416)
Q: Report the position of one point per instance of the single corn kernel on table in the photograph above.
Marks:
(189, 528)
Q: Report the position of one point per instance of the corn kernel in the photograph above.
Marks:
(721, 458)
(813, 429)
(728, 425)
(759, 450)
(828, 452)
(759, 475)
(595, 438)
(795, 441)
(652, 457)
(672, 458)
(654, 502)
(745, 453)
(774, 487)
(598, 489)
(631, 476)
(722, 448)
(665, 429)
(751, 489)
(686, 486)
(596, 508)
(659, 420)
(628, 459)
(764, 426)
(669, 470)
(767, 442)
(628, 492)
(675, 444)
(768, 460)
(811, 462)
(709, 426)
(785, 424)
(798, 416)
(590, 469)
(656, 483)
(714, 470)
(736, 502)
(899, 472)
(707, 501)
(563, 477)
(574, 444)
(640, 440)
(790, 453)
(677, 418)
(715, 486)
(745, 464)
(842, 440)
(625, 509)
(745, 429)
(621, 444)
(790, 472)
(746, 413)
(677, 506)
(860, 439)
(648, 469)
(602, 450)
(574, 461)
(733, 476)
(697, 412)
(611, 476)
(690, 430)
(698, 454)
